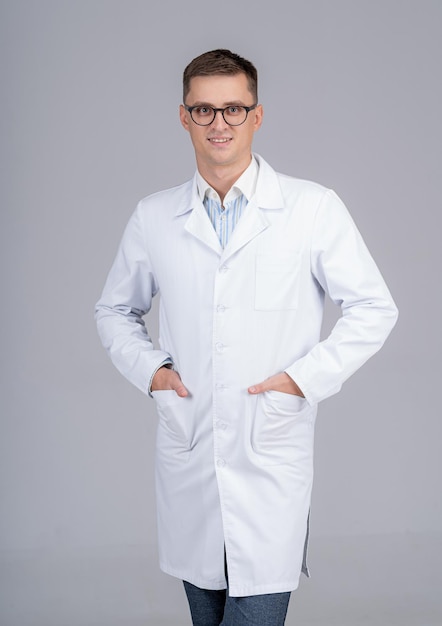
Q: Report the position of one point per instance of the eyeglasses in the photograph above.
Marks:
(233, 115)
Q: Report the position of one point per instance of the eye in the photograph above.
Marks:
(203, 111)
(235, 110)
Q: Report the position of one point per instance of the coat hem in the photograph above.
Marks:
(238, 591)
(235, 591)
(194, 580)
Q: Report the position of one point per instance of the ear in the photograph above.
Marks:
(184, 118)
(259, 114)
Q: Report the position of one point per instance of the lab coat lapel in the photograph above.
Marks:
(198, 223)
(255, 220)
(252, 223)
(200, 226)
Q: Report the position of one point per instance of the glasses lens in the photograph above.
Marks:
(235, 115)
(203, 115)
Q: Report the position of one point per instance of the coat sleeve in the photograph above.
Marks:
(126, 298)
(345, 270)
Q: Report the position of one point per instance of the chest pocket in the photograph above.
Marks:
(277, 282)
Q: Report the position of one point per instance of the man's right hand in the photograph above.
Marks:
(166, 378)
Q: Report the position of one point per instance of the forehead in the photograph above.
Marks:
(219, 90)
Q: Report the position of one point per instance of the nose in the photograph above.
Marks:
(219, 121)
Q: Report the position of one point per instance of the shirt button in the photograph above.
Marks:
(219, 346)
(219, 387)
(221, 463)
(220, 308)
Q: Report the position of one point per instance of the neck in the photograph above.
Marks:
(222, 177)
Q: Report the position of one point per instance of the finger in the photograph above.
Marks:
(259, 388)
(181, 391)
(177, 385)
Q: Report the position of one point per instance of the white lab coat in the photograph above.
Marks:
(233, 469)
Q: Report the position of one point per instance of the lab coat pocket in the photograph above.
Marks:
(276, 282)
(175, 425)
(283, 429)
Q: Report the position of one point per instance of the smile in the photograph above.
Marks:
(220, 140)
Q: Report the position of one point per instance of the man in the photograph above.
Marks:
(242, 258)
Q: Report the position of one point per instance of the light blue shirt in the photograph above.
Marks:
(224, 217)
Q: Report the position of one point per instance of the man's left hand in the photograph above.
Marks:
(279, 382)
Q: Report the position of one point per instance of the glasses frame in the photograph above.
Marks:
(222, 111)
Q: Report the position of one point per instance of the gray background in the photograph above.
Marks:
(90, 94)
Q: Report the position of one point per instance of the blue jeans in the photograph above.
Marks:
(217, 608)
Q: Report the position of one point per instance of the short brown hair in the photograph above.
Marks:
(218, 62)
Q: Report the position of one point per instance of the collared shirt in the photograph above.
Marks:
(225, 217)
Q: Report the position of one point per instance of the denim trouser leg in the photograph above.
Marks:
(264, 610)
(217, 608)
(206, 605)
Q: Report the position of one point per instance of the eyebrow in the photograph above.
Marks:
(200, 103)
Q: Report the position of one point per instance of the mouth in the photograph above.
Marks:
(219, 140)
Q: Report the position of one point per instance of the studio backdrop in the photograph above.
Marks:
(90, 94)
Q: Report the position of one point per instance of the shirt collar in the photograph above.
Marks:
(245, 185)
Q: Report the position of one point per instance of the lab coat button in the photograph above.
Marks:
(223, 268)
(221, 463)
(220, 308)
(219, 346)
(220, 425)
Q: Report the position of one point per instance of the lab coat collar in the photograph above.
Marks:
(268, 193)
(245, 185)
